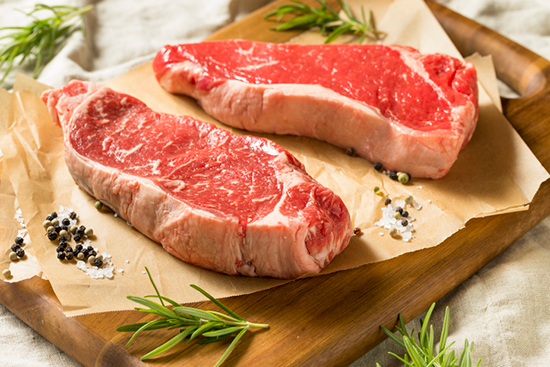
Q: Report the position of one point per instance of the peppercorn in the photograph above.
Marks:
(78, 247)
(73, 229)
(90, 248)
(61, 255)
(81, 230)
(350, 152)
(357, 231)
(393, 232)
(52, 235)
(92, 253)
(60, 249)
(55, 222)
(66, 221)
(84, 253)
(63, 245)
(77, 237)
(80, 256)
(65, 228)
(69, 256)
(13, 256)
(6, 273)
(409, 199)
(19, 240)
(20, 252)
(49, 217)
(54, 215)
(400, 210)
(89, 232)
(378, 166)
(14, 247)
(98, 262)
(404, 223)
(387, 202)
(47, 223)
(397, 215)
(403, 177)
(50, 229)
(393, 175)
(91, 260)
(57, 228)
(377, 191)
(63, 234)
(405, 213)
(98, 205)
(72, 215)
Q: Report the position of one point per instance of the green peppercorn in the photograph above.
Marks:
(64, 233)
(80, 256)
(6, 273)
(13, 256)
(393, 232)
(50, 229)
(91, 260)
(402, 177)
(409, 199)
(397, 215)
(73, 229)
(47, 223)
(377, 191)
(89, 232)
(98, 205)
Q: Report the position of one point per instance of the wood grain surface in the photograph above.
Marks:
(329, 320)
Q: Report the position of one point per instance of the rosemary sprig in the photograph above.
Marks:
(41, 38)
(191, 322)
(421, 352)
(327, 19)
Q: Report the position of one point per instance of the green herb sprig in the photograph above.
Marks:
(421, 352)
(191, 322)
(327, 19)
(41, 38)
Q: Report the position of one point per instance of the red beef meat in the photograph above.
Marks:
(391, 104)
(232, 204)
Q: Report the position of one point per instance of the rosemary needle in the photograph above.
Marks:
(191, 322)
(421, 352)
(327, 19)
(40, 39)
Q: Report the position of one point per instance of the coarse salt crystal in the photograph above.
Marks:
(381, 233)
(120, 271)
(419, 187)
(429, 201)
(127, 261)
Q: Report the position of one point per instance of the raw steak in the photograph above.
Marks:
(391, 104)
(229, 203)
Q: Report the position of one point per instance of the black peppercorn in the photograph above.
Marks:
(92, 253)
(65, 228)
(81, 229)
(52, 235)
(60, 249)
(61, 255)
(90, 248)
(393, 175)
(404, 223)
(15, 247)
(69, 256)
(20, 252)
(378, 166)
(63, 245)
(84, 252)
(350, 152)
(68, 249)
(405, 214)
(19, 240)
(72, 215)
(49, 217)
(98, 262)
(66, 222)
(400, 210)
(57, 228)
(387, 202)
(54, 215)
(62, 239)
(78, 247)
(357, 231)
(77, 237)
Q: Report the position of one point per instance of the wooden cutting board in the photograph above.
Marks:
(329, 320)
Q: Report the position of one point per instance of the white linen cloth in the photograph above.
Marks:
(503, 308)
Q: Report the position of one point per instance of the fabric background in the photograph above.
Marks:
(503, 308)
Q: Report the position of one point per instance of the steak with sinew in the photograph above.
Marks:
(232, 204)
(391, 104)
